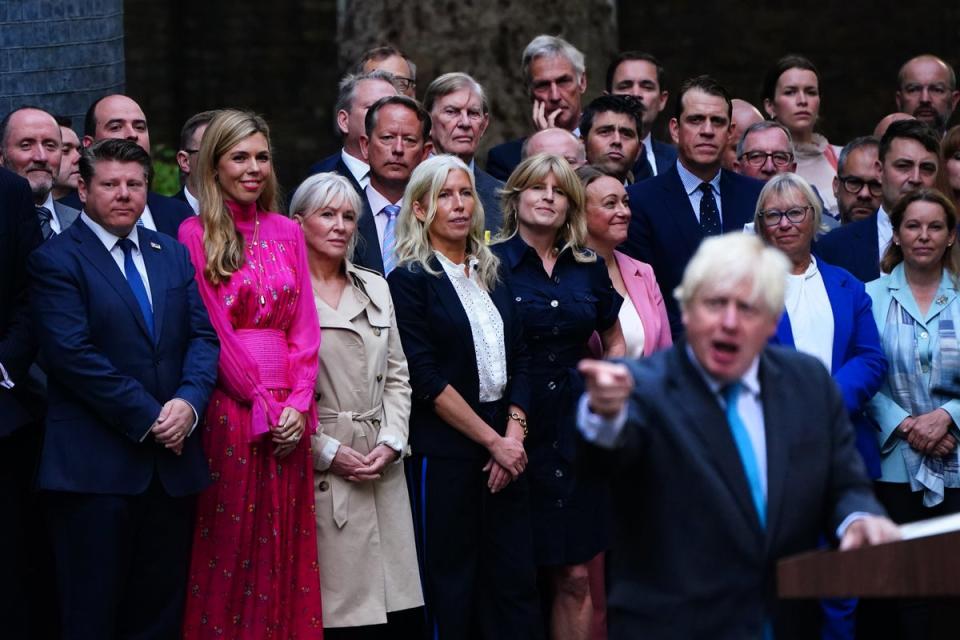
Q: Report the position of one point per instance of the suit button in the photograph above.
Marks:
(317, 396)
(379, 377)
(559, 502)
(552, 357)
(556, 331)
(517, 299)
(324, 485)
(556, 444)
(558, 473)
(376, 331)
(551, 385)
(554, 304)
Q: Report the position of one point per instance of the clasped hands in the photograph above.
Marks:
(287, 432)
(929, 433)
(173, 425)
(508, 458)
(353, 466)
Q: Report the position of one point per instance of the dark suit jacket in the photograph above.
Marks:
(504, 158)
(367, 251)
(690, 559)
(107, 379)
(664, 231)
(858, 362)
(167, 212)
(336, 164)
(665, 156)
(853, 247)
(19, 235)
(488, 191)
(438, 343)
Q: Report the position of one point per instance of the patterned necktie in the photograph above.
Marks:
(748, 458)
(642, 169)
(389, 238)
(45, 215)
(136, 282)
(709, 214)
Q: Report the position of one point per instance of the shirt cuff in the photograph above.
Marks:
(196, 420)
(396, 444)
(324, 455)
(5, 380)
(849, 520)
(603, 432)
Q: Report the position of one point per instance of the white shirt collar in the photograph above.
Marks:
(750, 379)
(109, 239)
(191, 200)
(376, 200)
(359, 168)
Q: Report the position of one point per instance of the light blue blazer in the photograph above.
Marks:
(883, 408)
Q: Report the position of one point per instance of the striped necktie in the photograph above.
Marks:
(45, 215)
(389, 238)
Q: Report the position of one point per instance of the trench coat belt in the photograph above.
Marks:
(347, 422)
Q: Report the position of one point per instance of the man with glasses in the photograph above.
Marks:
(927, 90)
(190, 136)
(909, 156)
(765, 150)
(857, 186)
(392, 60)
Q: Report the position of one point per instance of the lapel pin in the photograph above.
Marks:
(941, 300)
(155, 246)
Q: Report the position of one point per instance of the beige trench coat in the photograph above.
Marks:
(368, 558)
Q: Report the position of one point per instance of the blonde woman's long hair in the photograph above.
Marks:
(413, 240)
(223, 244)
(534, 170)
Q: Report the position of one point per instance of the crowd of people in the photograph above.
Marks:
(385, 407)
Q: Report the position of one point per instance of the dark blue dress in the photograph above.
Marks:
(560, 312)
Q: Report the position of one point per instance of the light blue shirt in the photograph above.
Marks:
(691, 184)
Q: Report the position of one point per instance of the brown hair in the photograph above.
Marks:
(894, 253)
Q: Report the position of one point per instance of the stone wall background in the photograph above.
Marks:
(283, 59)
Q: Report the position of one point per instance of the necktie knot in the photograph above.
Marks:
(44, 214)
(730, 393)
(706, 188)
(126, 245)
(391, 211)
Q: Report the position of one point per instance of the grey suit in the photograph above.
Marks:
(66, 215)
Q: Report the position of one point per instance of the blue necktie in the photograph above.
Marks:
(748, 457)
(136, 282)
(389, 238)
(709, 213)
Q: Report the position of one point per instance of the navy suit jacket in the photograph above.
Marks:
(19, 235)
(692, 560)
(665, 156)
(488, 189)
(335, 164)
(367, 251)
(664, 231)
(504, 158)
(167, 212)
(107, 379)
(858, 362)
(438, 342)
(854, 247)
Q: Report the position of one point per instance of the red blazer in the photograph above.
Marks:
(644, 293)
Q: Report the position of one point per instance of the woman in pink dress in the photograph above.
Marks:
(253, 573)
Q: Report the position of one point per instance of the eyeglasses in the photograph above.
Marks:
(853, 184)
(772, 217)
(403, 84)
(759, 158)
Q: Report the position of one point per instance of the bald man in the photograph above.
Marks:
(558, 142)
(927, 90)
(745, 115)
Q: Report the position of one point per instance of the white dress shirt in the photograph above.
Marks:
(55, 225)
(691, 184)
(486, 326)
(884, 231)
(191, 200)
(810, 313)
(110, 241)
(648, 150)
(377, 203)
(358, 168)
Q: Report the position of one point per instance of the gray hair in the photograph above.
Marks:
(450, 82)
(853, 145)
(784, 183)
(324, 190)
(348, 91)
(724, 262)
(551, 46)
(763, 126)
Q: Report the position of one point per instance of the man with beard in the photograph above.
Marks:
(32, 147)
(397, 129)
(857, 186)
(610, 129)
(927, 90)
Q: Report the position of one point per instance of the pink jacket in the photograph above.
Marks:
(644, 293)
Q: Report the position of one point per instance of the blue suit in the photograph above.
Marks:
(665, 156)
(167, 212)
(504, 158)
(334, 163)
(858, 362)
(854, 247)
(664, 231)
(119, 503)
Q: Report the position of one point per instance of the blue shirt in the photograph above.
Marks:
(691, 184)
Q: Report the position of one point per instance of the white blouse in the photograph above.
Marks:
(632, 328)
(811, 316)
(486, 325)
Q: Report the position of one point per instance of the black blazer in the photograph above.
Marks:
(664, 231)
(335, 163)
(854, 247)
(504, 158)
(167, 212)
(691, 560)
(438, 343)
(488, 189)
(19, 235)
(665, 156)
(107, 378)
